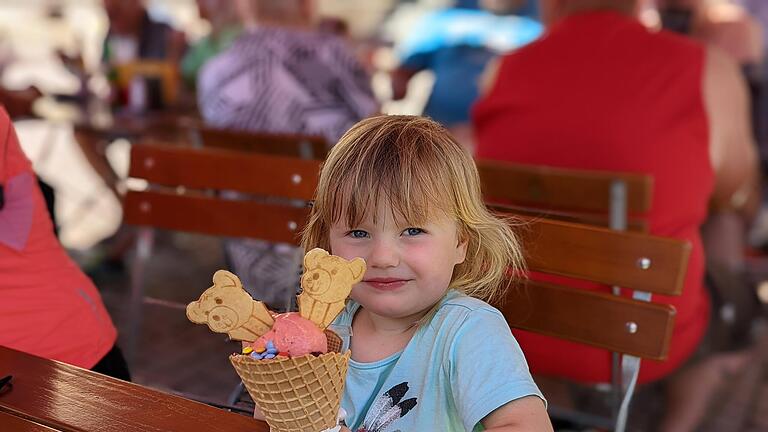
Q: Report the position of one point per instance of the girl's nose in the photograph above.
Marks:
(383, 254)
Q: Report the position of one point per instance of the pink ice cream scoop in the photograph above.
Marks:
(293, 335)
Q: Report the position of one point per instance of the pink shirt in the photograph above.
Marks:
(48, 307)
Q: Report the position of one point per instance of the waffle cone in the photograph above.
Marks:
(301, 394)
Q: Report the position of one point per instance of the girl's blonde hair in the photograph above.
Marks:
(415, 165)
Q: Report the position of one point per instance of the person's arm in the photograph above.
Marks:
(524, 414)
(488, 78)
(177, 46)
(400, 78)
(410, 65)
(732, 148)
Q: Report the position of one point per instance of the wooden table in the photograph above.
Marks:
(52, 396)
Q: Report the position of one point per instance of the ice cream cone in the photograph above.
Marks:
(301, 394)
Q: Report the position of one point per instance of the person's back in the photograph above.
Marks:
(600, 92)
(286, 81)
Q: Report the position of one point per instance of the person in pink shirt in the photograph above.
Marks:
(49, 308)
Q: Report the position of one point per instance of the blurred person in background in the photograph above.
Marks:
(456, 45)
(758, 79)
(49, 308)
(732, 29)
(134, 35)
(225, 28)
(526, 8)
(721, 24)
(281, 75)
(601, 92)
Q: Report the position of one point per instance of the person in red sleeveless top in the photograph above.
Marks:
(48, 307)
(599, 91)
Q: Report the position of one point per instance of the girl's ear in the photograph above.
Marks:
(461, 250)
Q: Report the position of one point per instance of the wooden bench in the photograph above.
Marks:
(631, 327)
(609, 199)
(634, 261)
(616, 200)
(304, 146)
(184, 194)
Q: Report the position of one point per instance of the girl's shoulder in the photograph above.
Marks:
(457, 304)
(459, 315)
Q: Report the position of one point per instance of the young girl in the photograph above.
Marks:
(427, 353)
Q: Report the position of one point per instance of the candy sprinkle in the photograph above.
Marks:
(247, 350)
(260, 349)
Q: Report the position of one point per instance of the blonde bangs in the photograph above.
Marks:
(398, 183)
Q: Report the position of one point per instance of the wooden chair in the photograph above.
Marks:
(304, 146)
(609, 199)
(632, 327)
(182, 195)
(616, 200)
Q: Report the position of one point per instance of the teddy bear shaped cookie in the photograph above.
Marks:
(227, 308)
(326, 283)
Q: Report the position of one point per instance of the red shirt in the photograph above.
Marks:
(48, 307)
(601, 92)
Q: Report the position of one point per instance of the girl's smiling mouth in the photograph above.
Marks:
(386, 284)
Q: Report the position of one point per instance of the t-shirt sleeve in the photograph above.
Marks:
(487, 367)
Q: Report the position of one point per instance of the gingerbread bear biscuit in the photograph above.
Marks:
(227, 308)
(326, 283)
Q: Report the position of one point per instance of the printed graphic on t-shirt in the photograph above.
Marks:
(388, 408)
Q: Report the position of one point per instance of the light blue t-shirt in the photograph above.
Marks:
(456, 370)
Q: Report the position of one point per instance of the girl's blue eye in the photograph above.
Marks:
(358, 234)
(413, 231)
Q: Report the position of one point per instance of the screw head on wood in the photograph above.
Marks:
(644, 263)
(631, 327)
